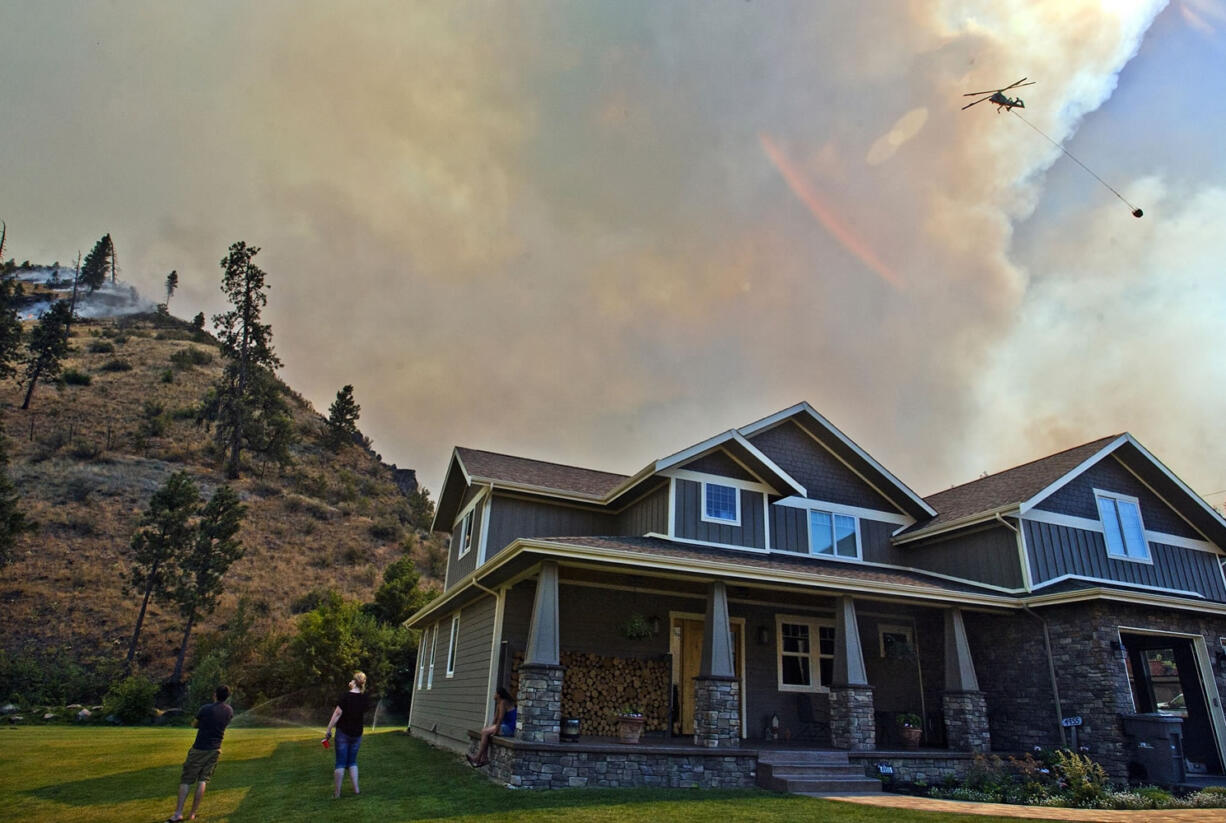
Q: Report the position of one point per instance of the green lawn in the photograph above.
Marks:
(58, 773)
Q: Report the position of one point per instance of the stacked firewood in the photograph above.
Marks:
(596, 689)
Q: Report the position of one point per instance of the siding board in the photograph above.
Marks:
(457, 704)
(690, 525)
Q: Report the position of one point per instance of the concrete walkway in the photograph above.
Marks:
(930, 804)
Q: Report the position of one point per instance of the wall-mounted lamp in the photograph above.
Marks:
(764, 636)
(654, 622)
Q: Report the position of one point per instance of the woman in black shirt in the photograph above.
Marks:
(347, 719)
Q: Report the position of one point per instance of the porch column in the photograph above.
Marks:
(539, 717)
(852, 724)
(717, 694)
(966, 709)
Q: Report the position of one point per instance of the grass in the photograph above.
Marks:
(57, 773)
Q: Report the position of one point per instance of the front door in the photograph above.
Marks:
(687, 651)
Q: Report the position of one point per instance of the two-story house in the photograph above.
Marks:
(775, 586)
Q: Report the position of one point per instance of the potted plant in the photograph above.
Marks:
(910, 728)
(630, 722)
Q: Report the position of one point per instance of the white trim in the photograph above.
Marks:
(465, 535)
(500, 605)
(814, 624)
(672, 508)
(1116, 498)
(719, 480)
(433, 653)
(709, 544)
(674, 648)
(453, 644)
(722, 521)
(1151, 536)
(1088, 579)
(989, 516)
(780, 416)
(1212, 512)
(483, 542)
(1064, 479)
(698, 449)
(1023, 550)
(766, 521)
(840, 508)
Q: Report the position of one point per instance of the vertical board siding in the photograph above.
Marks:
(1059, 550)
(459, 567)
(823, 475)
(457, 703)
(719, 463)
(513, 517)
(989, 555)
(690, 525)
(649, 515)
(1076, 498)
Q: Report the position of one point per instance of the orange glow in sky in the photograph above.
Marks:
(803, 190)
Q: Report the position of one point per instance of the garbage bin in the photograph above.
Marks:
(1156, 743)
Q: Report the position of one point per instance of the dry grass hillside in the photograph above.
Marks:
(87, 457)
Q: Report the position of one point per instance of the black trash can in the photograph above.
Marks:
(1156, 748)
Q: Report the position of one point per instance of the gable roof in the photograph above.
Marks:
(506, 470)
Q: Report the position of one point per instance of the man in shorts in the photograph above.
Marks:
(210, 723)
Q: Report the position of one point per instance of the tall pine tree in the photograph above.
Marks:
(343, 419)
(48, 345)
(213, 551)
(10, 325)
(246, 346)
(98, 263)
(172, 283)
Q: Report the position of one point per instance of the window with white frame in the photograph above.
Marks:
(721, 504)
(421, 659)
(433, 649)
(896, 641)
(1122, 528)
(453, 644)
(833, 535)
(465, 538)
(806, 653)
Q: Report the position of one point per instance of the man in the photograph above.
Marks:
(210, 723)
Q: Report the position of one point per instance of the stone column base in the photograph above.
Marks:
(852, 724)
(966, 721)
(717, 712)
(539, 703)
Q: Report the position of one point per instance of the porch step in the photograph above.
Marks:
(813, 772)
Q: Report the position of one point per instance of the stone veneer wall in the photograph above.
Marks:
(926, 768)
(1013, 673)
(966, 721)
(562, 767)
(539, 703)
(852, 722)
(717, 712)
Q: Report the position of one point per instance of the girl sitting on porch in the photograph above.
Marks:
(504, 726)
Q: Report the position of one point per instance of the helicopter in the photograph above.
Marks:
(997, 96)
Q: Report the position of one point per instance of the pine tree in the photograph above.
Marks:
(246, 346)
(13, 521)
(165, 535)
(99, 261)
(48, 345)
(343, 419)
(172, 283)
(214, 550)
(10, 325)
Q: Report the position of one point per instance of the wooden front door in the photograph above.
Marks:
(690, 657)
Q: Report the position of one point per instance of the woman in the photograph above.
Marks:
(347, 720)
(504, 726)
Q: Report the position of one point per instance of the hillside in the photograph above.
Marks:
(86, 458)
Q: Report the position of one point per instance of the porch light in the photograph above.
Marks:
(655, 625)
(764, 636)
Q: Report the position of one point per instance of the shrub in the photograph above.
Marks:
(385, 530)
(168, 376)
(72, 377)
(85, 450)
(116, 364)
(131, 700)
(102, 347)
(190, 356)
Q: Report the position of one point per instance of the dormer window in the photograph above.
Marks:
(833, 535)
(1122, 528)
(721, 504)
(465, 536)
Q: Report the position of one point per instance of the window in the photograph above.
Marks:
(1122, 528)
(466, 533)
(721, 504)
(802, 666)
(453, 644)
(433, 649)
(896, 641)
(833, 535)
(421, 660)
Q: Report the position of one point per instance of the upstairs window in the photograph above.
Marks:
(833, 535)
(721, 504)
(1122, 527)
(465, 540)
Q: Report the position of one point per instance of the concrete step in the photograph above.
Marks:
(805, 770)
(858, 785)
(813, 772)
(802, 756)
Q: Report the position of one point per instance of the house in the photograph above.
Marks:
(775, 586)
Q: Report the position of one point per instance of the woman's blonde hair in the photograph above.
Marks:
(359, 678)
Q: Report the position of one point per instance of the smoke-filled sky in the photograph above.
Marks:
(597, 232)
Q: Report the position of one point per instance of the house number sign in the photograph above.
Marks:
(1070, 721)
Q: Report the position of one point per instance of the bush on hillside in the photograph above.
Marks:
(131, 700)
(72, 377)
(116, 365)
(101, 347)
(191, 356)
